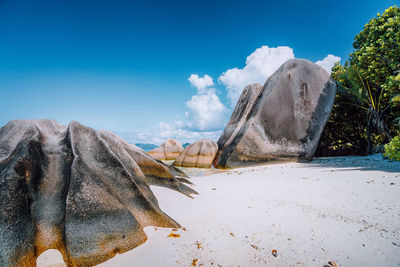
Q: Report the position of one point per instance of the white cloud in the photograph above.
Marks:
(201, 83)
(185, 135)
(328, 62)
(206, 112)
(206, 115)
(175, 130)
(134, 137)
(259, 66)
(205, 118)
(141, 136)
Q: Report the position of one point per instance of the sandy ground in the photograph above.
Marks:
(343, 209)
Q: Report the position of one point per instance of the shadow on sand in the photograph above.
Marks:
(368, 163)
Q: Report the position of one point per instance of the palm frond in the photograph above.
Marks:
(396, 98)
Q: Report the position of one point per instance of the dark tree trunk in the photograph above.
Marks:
(369, 147)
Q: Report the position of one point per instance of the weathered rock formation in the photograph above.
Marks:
(78, 190)
(168, 150)
(200, 154)
(239, 116)
(285, 121)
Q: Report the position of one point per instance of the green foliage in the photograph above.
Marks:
(392, 149)
(345, 131)
(376, 58)
(367, 104)
(396, 101)
(377, 52)
(350, 82)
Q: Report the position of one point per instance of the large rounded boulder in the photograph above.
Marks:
(285, 121)
(168, 150)
(78, 190)
(200, 154)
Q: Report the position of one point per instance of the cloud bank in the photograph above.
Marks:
(201, 83)
(206, 114)
(259, 66)
(328, 62)
(165, 130)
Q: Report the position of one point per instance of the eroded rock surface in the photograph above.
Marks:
(200, 154)
(78, 190)
(239, 116)
(285, 121)
(168, 150)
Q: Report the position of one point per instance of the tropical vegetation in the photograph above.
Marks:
(366, 113)
(392, 149)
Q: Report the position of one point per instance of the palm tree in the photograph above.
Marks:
(396, 98)
(359, 90)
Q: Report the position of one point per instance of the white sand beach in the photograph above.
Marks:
(343, 209)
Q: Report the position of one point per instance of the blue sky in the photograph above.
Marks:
(124, 65)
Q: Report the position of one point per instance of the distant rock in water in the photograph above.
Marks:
(146, 147)
(168, 150)
(200, 154)
(78, 190)
(284, 122)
